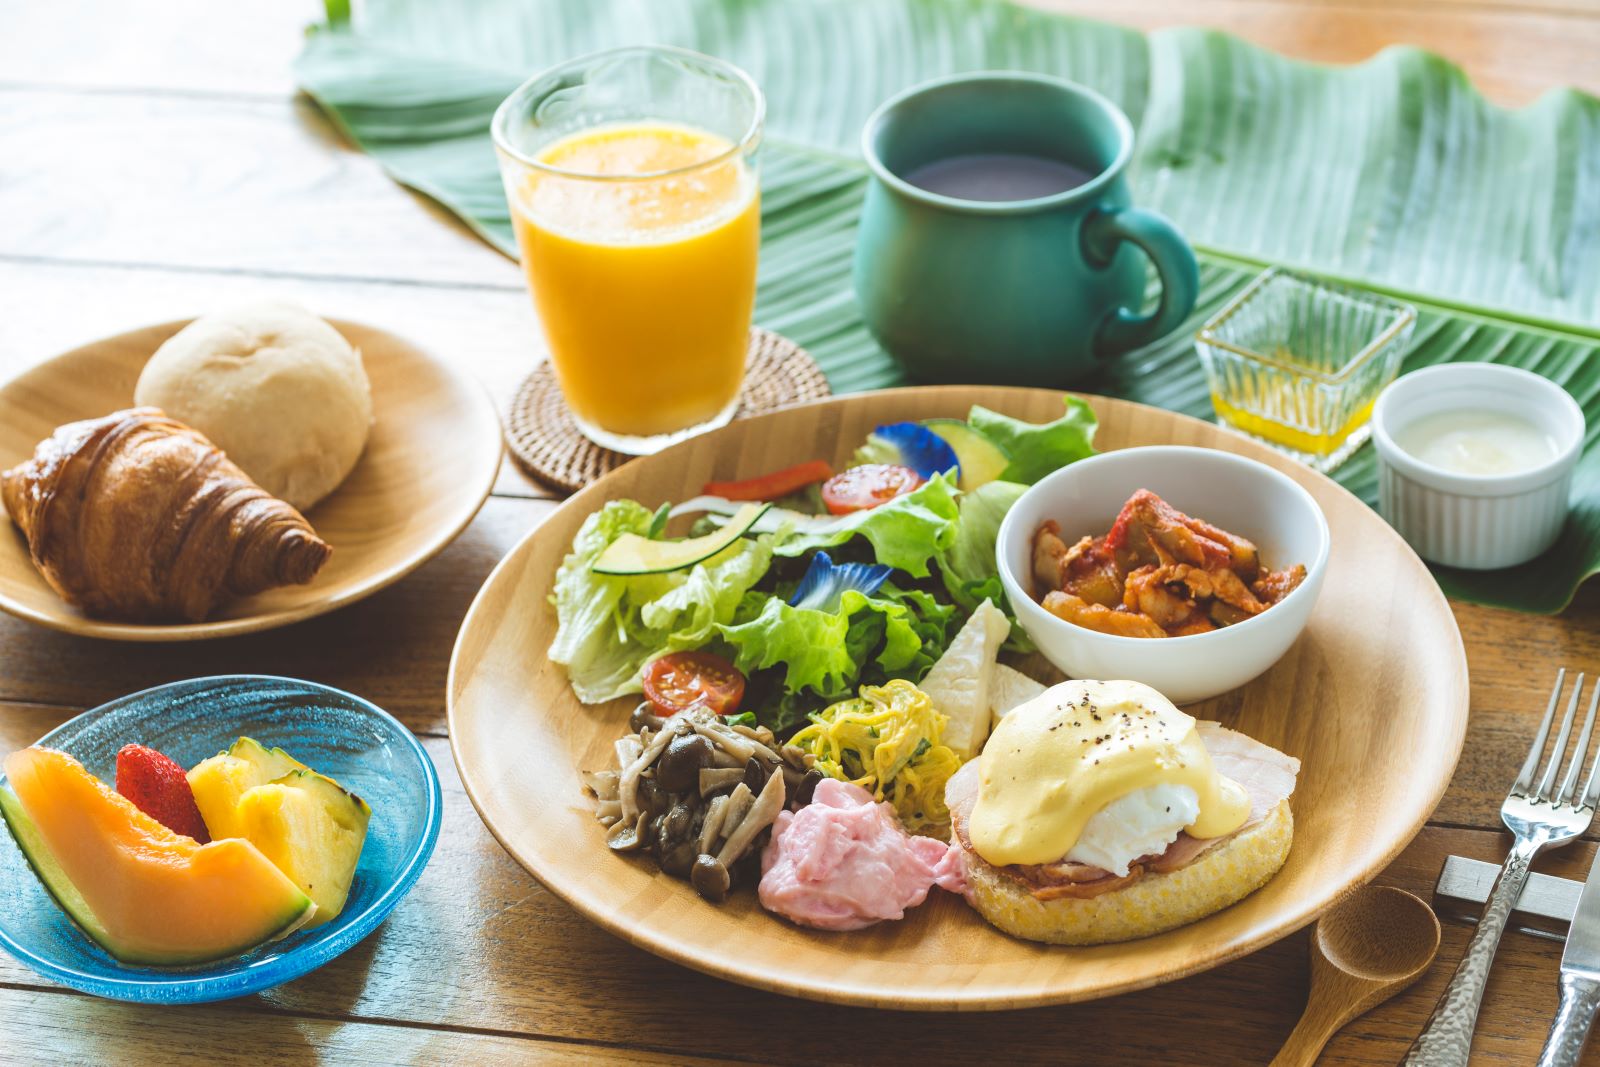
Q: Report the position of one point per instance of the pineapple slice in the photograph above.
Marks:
(312, 829)
(219, 782)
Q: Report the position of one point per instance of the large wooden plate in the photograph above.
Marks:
(427, 469)
(1373, 699)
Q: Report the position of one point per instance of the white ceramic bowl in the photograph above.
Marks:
(1476, 521)
(1237, 494)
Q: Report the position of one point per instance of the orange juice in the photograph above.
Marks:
(639, 240)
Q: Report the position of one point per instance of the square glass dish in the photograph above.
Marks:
(1297, 363)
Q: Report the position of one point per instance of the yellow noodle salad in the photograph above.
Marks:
(888, 742)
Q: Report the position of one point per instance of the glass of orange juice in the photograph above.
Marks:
(631, 178)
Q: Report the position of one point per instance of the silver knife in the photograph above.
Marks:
(1580, 979)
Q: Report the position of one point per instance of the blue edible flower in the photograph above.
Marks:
(824, 583)
(917, 446)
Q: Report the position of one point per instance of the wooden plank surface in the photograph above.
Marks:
(1514, 49)
(82, 1030)
(225, 188)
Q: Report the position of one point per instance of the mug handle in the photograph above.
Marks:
(1103, 235)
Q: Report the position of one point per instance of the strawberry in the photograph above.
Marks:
(159, 788)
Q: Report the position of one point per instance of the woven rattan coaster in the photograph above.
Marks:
(548, 445)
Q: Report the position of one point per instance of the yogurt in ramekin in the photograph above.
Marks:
(1475, 462)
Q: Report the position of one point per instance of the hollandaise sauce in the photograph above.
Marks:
(1056, 761)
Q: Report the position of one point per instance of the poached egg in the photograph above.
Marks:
(1099, 773)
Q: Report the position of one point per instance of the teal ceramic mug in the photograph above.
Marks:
(1026, 292)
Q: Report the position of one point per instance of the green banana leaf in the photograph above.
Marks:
(1393, 174)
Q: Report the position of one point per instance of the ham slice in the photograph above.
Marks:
(1266, 774)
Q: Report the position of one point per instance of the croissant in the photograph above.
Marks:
(138, 517)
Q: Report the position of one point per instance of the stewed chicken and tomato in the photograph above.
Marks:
(1157, 573)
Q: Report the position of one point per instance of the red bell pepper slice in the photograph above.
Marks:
(774, 485)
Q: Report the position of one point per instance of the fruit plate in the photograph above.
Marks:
(336, 733)
(1372, 698)
(427, 469)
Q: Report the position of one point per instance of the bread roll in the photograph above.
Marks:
(276, 388)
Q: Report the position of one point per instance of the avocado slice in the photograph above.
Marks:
(981, 460)
(313, 830)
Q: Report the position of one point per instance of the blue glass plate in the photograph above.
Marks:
(342, 736)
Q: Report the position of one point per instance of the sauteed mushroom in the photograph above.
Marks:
(678, 770)
(645, 717)
(761, 815)
(697, 792)
(716, 779)
(711, 878)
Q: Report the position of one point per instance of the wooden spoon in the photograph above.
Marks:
(1363, 952)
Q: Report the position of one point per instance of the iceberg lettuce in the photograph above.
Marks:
(609, 626)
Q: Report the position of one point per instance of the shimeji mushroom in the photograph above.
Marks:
(760, 815)
(629, 785)
(697, 792)
(716, 779)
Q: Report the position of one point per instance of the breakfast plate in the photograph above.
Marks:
(1372, 699)
(351, 740)
(428, 466)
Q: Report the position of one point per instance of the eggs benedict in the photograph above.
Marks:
(1100, 812)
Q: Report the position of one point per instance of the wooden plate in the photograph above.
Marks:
(1373, 699)
(427, 469)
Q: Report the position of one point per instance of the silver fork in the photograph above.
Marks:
(1541, 814)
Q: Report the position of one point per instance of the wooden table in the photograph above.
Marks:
(154, 163)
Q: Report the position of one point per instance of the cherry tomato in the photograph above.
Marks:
(680, 680)
(867, 486)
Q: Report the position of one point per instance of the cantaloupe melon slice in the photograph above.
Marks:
(152, 896)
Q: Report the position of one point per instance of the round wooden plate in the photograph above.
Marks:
(427, 469)
(1372, 698)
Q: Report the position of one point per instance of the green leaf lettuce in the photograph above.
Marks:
(816, 657)
(1038, 449)
(609, 626)
(906, 533)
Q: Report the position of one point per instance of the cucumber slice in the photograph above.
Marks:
(632, 554)
(982, 461)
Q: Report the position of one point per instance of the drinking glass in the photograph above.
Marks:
(632, 182)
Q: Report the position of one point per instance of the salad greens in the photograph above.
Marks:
(1038, 449)
(896, 632)
(967, 566)
(935, 545)
(906, 533)
(610, 626)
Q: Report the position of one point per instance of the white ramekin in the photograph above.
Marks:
(1478, 522)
